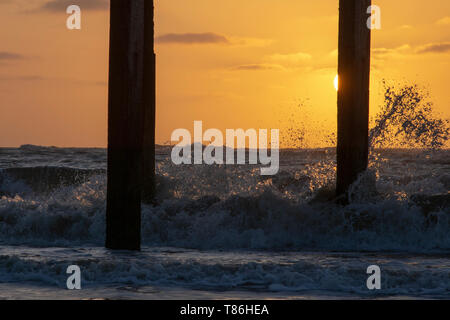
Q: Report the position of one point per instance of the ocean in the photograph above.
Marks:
(226, 232)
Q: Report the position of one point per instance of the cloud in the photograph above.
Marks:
(381, 53)
(10, 56)
(278, 61)
(258, 67)
(61, 5)
(211, 38)
(443, 22)
(291, 58)
(192, 38)
(249, 42)
(441, 47)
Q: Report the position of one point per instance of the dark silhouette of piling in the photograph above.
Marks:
(127, 121)
(353, 93)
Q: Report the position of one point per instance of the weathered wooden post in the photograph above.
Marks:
(353, 93)
(126, 114)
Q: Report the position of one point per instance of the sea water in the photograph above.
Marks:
(221, 232)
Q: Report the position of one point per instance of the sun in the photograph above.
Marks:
(336, 82)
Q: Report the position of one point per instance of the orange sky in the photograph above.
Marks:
(234, 63)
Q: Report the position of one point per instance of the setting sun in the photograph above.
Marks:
(336, 82)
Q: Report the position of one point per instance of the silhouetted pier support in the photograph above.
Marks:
(353, 93)
(129, 146)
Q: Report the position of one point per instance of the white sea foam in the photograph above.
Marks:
(233, 207)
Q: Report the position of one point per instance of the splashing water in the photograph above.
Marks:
(406, 120)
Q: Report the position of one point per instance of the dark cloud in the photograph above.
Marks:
(192, 38)
(61, 5)
(435, 48)
(10, 56)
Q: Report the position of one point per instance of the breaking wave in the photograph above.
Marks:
(221, 271)
(235, 208)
